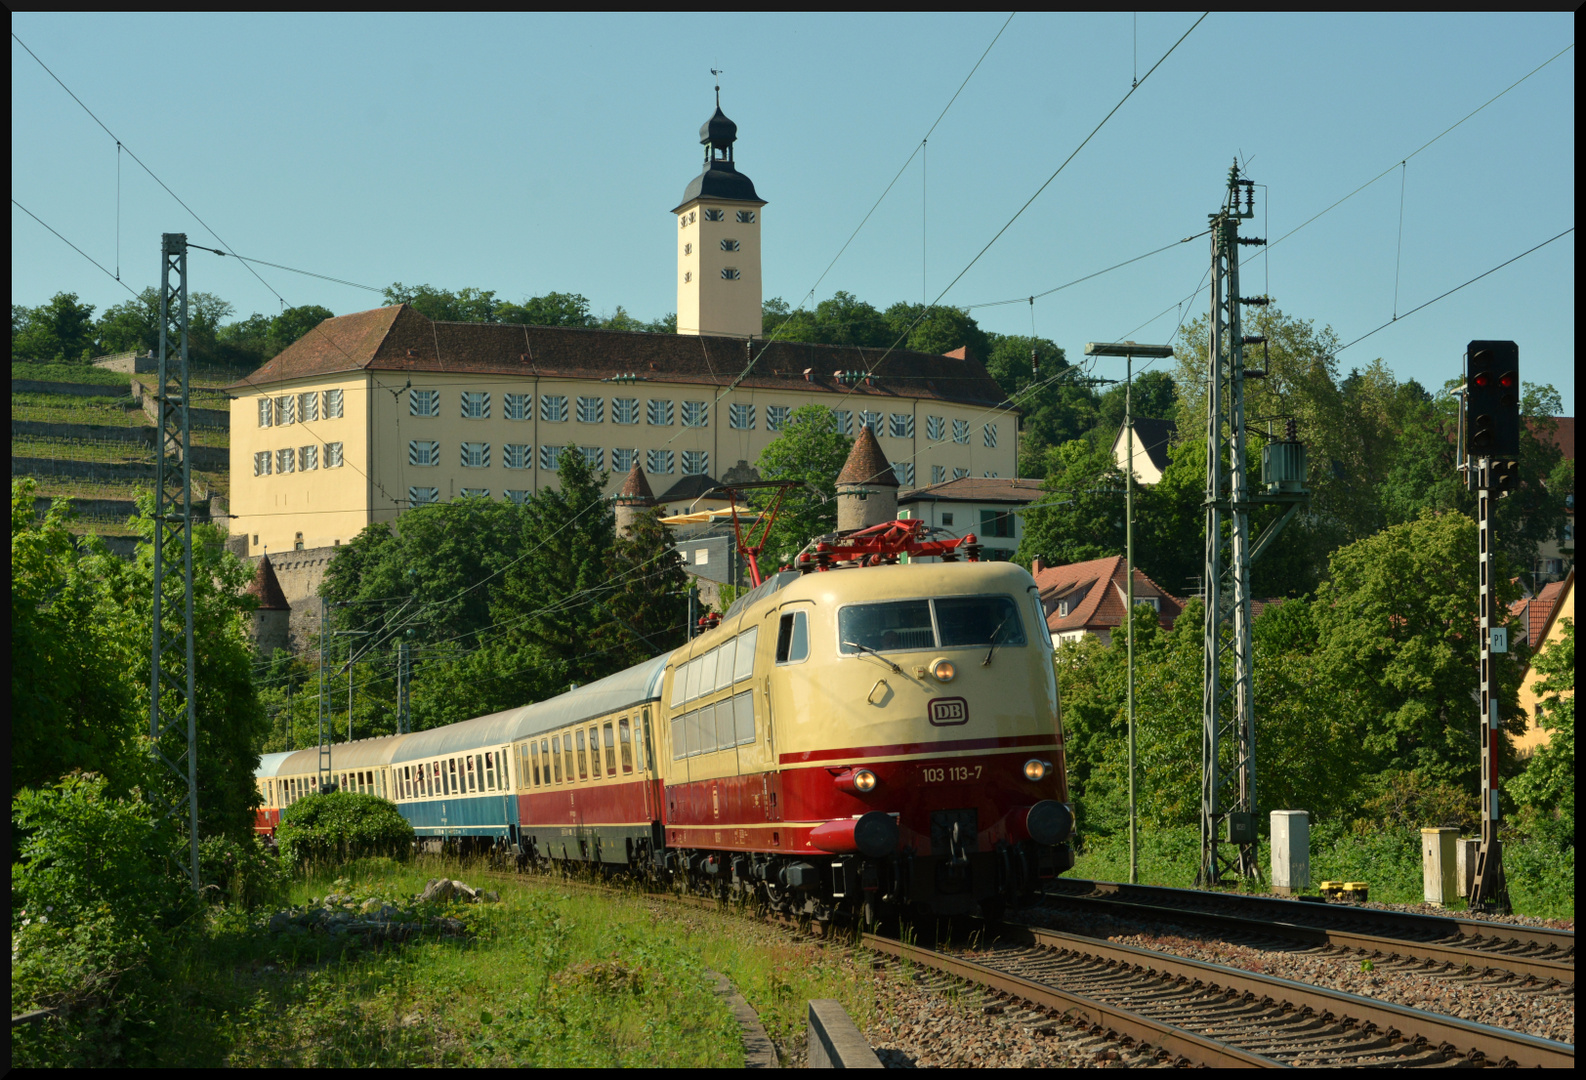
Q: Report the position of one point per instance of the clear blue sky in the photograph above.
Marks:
(528, 153)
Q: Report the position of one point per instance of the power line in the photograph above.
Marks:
(291, 269)
(1017, 214)
(139, 160)
(1454, 290)
(1405, 158)
(71, 245)
(1087, 277)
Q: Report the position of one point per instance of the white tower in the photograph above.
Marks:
(718, 241)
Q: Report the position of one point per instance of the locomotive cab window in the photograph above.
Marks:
(978, 620)
(793, 638)
(947, 622)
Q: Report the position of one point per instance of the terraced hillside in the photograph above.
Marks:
(87, 434)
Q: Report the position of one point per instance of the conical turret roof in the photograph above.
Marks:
(266, 587)
(636, 489)
(866, 463)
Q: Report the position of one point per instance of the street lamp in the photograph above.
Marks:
(1129, 350)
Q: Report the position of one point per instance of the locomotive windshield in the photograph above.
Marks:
(928, 624)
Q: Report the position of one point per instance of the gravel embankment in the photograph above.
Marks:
(1503, 1001)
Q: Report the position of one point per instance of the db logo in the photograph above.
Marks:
(948, 711)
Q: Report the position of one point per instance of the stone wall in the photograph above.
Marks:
(198, 418)
(82, 470)
(130, 363)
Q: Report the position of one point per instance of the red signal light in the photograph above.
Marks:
(1483, 379)
(1507, 380)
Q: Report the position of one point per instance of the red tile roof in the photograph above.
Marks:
(979, 489)
(1094, 590)
(400, 339)
(866, 463)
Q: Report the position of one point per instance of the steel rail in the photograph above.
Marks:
(1477, 960)
(1081, 1011)
(1485, 936)
(1475, 1041)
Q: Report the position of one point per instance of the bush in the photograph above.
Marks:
(343, 825)
(244, 874)
(83, 851)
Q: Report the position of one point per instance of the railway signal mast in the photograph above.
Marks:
(1228, 744)
(1491, 459)
(172, 699)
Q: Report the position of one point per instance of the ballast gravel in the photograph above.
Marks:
(1500, 1000)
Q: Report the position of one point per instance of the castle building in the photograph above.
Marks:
(376, 412)
(272, 618)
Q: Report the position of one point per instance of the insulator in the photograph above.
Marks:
(1291, 430)
(1251, 240)
(1254, 339)
(1256, 301)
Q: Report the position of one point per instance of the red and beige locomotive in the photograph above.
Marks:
(864, 734)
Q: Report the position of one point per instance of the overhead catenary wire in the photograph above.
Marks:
(1455, 289)
(1028, 202)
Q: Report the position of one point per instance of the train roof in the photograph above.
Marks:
(358, 754)
(637, 684)
(270, 764)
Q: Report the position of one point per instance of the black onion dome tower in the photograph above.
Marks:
(720, 178)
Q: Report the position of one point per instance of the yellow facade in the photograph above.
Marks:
(1536, 736)
(710, 251)
(322, 507)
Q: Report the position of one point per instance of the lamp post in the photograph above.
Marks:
(1129, 350)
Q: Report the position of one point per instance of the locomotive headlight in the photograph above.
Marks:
(1036, 769)
(944, 670)
(864, 780)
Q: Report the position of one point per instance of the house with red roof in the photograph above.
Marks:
(1089, 597)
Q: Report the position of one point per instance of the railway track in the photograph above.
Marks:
(1173, 1009)
(1158, 1008)
(1470, 947)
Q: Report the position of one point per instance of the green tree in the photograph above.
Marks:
(550, 607)
(442, 305)
(1055, 406)
(1155, 395)
(1080, 513)
(287, 327)
(552, 309)
(842, 320)
(937, 330)
(132, 325)
(1396, 625)
(81, 632)
(649, 608)
(74, 701)
(62, 329)
(808, 451)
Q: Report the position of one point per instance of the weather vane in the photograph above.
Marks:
(717, 72)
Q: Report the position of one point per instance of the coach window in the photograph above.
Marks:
(453, 781)
(534, 762)
(647, 760)
(793, 638)
(556, 756)
(583, 762)
(611, 750)
(623, 737)
(567, 753)
(490, 771)
(594, 751)
(471, 779)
